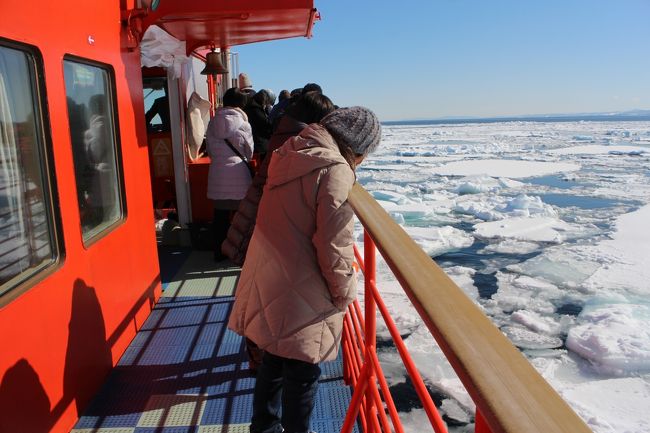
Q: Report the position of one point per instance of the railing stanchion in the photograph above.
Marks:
(369, 281)
(480, 425)
(359, 391)
(371, 324)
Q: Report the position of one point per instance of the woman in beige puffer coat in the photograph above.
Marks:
(298, 278)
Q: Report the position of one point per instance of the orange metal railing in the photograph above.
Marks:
(362, 369)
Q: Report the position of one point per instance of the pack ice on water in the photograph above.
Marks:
(545, 225)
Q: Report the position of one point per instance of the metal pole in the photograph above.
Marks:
(371, 323)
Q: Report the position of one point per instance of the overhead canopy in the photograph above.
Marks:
(226, 23)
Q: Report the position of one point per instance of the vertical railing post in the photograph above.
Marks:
(344, 349)
(369, 281)
(211, 95)
(371, 321)
(480, 425)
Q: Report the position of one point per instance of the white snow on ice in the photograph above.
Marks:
(504, 168)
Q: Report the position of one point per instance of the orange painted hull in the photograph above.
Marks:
(62, 335)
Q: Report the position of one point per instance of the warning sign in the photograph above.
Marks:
(162, 146)
(161, 157)
(162, 166)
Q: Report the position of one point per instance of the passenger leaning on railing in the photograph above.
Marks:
(298, 279)
(308, 108)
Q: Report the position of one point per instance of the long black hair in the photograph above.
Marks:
(310, 107)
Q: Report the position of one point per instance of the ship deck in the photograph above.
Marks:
(185, 372)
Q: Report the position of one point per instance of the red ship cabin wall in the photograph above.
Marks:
(62, 329)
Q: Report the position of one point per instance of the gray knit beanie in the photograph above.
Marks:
(355, 127)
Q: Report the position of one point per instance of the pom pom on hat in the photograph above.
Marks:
(355, 127)
(244, 81)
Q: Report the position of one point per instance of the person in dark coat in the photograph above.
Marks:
(256, 110)
(309, 108)
(279, 109)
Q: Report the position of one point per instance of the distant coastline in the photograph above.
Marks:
(636, 115)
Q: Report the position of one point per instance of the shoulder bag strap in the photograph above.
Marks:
(251, 170)
(235, 150)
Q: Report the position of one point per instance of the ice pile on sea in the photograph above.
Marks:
(568, 281)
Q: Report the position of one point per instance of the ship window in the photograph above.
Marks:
(28, 236)
(95, 147)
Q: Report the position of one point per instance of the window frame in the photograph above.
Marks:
(44, 148)
(111, 95)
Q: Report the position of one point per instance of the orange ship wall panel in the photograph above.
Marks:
(62, 330)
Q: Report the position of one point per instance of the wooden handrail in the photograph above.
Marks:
(509, 393)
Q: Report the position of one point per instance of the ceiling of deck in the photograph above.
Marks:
(227, 23)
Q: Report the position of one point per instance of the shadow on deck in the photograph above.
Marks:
(184, 372)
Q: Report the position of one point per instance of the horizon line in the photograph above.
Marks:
(637, 112)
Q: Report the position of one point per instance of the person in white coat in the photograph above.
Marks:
(228, 176)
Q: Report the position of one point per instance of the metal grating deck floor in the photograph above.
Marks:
(184, 372)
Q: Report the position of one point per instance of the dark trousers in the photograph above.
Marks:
(220, 226)
(286, 384)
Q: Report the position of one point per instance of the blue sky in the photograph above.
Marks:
(418, 59)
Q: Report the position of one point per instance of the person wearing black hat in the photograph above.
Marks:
(298, 277)
(256, 110)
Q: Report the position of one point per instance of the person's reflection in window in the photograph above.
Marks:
(96, 145)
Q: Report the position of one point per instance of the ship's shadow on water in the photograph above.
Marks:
(404, 394)
(485, 263)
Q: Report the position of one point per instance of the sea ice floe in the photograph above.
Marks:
(392, 196)
(527, 339)
(510, 168)
(625, 259)
(583, 138)
(483, 209)
(493, 208)
(611, 405)
(525, 206)
(614, 337)
(452, 410)
(538, 323)
(519, 292)
(434, 367)
(406, 211)
(596, 149)
(464, 278)
(534, 229)
(562, 266)
(438, 240)
(482, 183)
(511, 246)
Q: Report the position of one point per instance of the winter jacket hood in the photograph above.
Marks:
(228, 120)
(312, 150)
